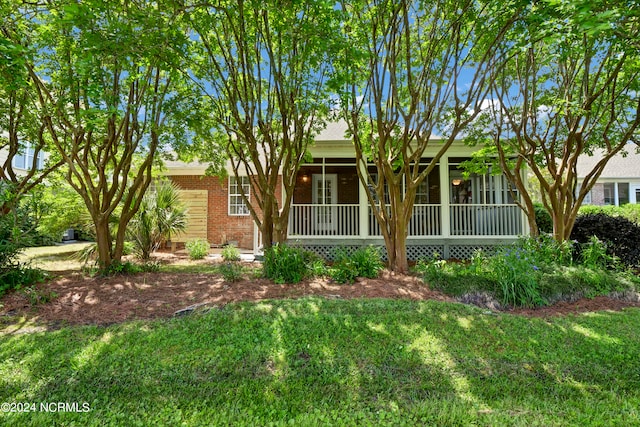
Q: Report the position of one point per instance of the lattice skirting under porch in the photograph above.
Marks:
(414, 252)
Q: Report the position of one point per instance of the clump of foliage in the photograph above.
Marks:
(286, 264)
(38, 296)
(120, 267)
(543, 218)
(620, 235)
(231, 271)
(516, 274)
(363, 262)
(532, 272)
(197, 249)
(59, 207)
(230, 253)
(13, 273)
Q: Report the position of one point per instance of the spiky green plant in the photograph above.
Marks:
(161, 215)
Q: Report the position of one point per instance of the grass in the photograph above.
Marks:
(63, 258)
(54, 258)
(330, 362)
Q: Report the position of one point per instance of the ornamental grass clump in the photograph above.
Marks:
(517, 277)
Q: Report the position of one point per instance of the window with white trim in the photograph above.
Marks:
(237, 206)
(24, 159)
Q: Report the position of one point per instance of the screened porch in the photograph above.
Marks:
(330, 202)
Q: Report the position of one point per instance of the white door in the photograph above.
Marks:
(325, 194)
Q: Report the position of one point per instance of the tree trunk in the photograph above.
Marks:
(530, 211)
(103, 243)
(401, 264)
(279, 229)
(400, 203)
(119, 243)
(267, 225)
(558, 226)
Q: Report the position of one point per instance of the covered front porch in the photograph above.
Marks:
(330, 207)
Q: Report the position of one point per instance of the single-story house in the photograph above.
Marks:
(452, 215)
(619, 182)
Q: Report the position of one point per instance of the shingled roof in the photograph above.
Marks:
(619, 166)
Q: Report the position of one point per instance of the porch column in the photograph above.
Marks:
(445, 197)
(363, 215)
(616, 201)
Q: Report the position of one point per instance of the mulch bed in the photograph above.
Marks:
(79, 299)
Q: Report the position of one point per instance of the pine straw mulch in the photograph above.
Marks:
(77, 299)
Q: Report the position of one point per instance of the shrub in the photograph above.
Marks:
(620, 235)
(594, 254)
(150, 266)
(231, 272)
(344, 271)
(230, 253)
(19, 276)
(118, 267)
(543, 218)
(363, 262)
(628, 211)
(317, 267)
(38, 296)
(544, 250)
(285, 264)
(13, 274)
(456, 278)
(197, 249)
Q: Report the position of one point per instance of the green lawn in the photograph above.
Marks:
(330, 362)
(54, 258)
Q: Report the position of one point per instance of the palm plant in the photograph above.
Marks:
(161, 215)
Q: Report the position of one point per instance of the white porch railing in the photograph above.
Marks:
(485, 220)
(324, 220)
(309, 220)
(425, 221)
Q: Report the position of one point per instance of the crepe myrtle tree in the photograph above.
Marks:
(105, 77)
(263, 66)
(569, 90)
(23, 138)
(413, 69)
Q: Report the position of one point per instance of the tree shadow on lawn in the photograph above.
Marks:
(313, 359)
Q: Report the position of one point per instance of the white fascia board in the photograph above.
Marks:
(346, 149)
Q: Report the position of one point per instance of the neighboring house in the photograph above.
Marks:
(452, 215)
(22, 162)
(619, 182)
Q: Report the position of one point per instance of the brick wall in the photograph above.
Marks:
(221, 227)
(597, 194)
